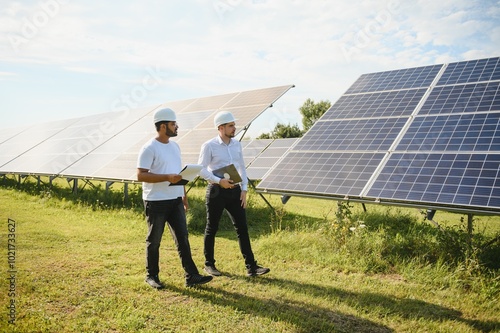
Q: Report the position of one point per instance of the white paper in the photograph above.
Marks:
(191, 171)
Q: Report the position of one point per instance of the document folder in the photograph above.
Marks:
(228, 171)
(188, 173)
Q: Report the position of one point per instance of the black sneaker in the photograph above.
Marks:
(154, 282)
(212, 270)
(255, 270)
(197, 279)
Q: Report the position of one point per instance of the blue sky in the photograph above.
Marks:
(69, 58)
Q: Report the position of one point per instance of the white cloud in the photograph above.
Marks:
(202, 49)
(7, 75)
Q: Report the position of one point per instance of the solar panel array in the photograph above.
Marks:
(106, 146)
(261, 155)
(424, 137)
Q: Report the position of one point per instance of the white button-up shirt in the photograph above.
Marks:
(216, 154)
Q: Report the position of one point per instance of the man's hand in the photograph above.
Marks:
(226, 183)
(243, 198)
(143, 175)
(173, 178)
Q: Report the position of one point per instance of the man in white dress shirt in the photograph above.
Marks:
(223, 193)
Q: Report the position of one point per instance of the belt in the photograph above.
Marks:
(235, 186)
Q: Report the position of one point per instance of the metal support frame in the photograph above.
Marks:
(429, 215)
(125, 191)
(192, 184)
(263, 198)
(109, 183)
(470, 228)
(75, 184)
(284, 199)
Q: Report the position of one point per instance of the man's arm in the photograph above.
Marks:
(143, 175)
(205, 159)
(243, 170)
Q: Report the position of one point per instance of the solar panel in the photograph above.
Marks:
(27, 143)
(9, 133)
(356, 135)
(383, 104)
(471, 71)
(116, 157)
(112, 159)
(253, 148)
(322, 173)
(245, 106)
(423, 137)
(398, 79)
(202, 104)
(270, 153)
(460, 179)
(472, 132)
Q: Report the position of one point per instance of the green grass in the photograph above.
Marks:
(80, 268)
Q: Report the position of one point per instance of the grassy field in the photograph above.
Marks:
(78, 266)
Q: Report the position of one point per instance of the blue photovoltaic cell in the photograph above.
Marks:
(359, 135)
(463, 98)
(471, 71)
(270, 153)
(436, 130)
(398, 79)
(461, 133)
(447, 179)
(324, 173)
(384, 104)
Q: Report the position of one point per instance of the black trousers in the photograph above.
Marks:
(217, 199)
(157, 214)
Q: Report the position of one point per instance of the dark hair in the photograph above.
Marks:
(158, 124)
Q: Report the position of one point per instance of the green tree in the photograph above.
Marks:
(311, 112)
(282, 131)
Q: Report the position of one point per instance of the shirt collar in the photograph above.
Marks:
(219, 140)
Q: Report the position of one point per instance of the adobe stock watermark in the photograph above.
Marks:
(222, 7)
(12, 271)
(31, 25)
(121, 107)
(371, 31)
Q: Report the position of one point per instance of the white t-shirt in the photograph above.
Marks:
(160, 158)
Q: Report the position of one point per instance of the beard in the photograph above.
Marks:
(171, 133)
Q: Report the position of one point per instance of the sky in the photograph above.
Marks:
(63, 59)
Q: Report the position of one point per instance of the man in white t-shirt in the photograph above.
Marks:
(158, 167)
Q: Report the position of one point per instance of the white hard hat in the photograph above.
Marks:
(223, 117)
(164, 114)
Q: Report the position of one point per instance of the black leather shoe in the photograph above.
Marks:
(212, 270)
(154, 282)
(255, 270)
(196, 279)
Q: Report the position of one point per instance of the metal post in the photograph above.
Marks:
(125, 191)
(469, 234)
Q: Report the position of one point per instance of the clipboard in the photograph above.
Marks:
(188, 173)
(229, 171)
